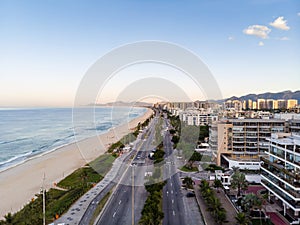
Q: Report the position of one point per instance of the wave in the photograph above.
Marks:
(12, 141)
(17, 157)
(48, 142)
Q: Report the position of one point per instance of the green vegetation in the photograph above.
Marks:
(213, 168)
(100, 207)
(218, 184)
(250, 202)
(242, 219)
(213, 203)
(158, 129)
(72, 187)
(175, 122)
(57, 201)
(188, 182)
(203, 133)
(238, 181)
(189, 169)
(261, 222)
(103, 163)
(152, 212)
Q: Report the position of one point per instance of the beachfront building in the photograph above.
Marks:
(280, 173)
(240, 142)
(197, 117)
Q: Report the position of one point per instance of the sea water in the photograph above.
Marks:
(25, 133)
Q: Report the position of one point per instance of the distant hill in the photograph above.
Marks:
(269, 95)
(121, 103)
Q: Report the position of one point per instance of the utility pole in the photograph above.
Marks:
(132, 197)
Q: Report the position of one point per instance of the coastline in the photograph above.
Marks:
(21, 182)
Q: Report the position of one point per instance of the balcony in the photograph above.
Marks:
(283, 186)
(274, 189)
(278, 170)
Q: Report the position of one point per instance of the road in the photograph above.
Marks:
(125, 207)
(173, 207)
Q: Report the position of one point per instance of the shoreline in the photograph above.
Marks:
(42, 153)
(21, 182)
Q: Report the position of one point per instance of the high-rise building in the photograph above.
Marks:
(270, 104)
(250, 104)
(280, 173)
(241, 141)
(261, 103)
(282, 104)
(254, 105)
(275, 104)
(291, 103)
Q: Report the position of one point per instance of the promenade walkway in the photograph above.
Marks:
(207, 217)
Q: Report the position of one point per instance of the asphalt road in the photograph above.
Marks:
(173, 207)
(123, 207)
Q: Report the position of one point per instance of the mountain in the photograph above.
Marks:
(269, 95)
(121, 103)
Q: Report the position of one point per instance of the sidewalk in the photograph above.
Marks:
(207, 217)
(231, 211)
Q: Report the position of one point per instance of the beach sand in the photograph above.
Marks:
(19, 184)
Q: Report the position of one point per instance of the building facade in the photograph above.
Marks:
(240, 142)
(280, 173)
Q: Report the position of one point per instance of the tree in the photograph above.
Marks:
(218, 184)
(250, 202)
(221, 216)
(188, 182)
(203, 132)
(242, 219)
(239, 182)
(8, 218)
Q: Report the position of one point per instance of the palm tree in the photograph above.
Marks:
(221, 216)
(242, 219)
(218, 184)
(250, 202)
(239, 181)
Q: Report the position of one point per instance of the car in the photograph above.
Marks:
(190, 194)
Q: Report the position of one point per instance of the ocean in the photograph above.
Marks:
(25, 133)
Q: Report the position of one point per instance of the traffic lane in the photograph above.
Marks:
(113, 212)
(173, 203)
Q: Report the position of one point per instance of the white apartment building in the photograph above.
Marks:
(280, 173)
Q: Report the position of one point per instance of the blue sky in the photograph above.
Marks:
(47, 46)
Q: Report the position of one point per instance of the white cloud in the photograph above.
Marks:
(258, 30)
(230, 38)
(261, 43)
(284, 39)
(298, 13)
(280, 23)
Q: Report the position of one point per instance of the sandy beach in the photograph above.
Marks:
(20, 183)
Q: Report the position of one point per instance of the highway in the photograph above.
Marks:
(125, 207)
(173, 206)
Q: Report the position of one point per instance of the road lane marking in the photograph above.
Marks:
(114, 214)
(173, 213)
(172, 192)
(172, 201)
(120, 202)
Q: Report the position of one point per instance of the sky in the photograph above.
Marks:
(46, 47)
